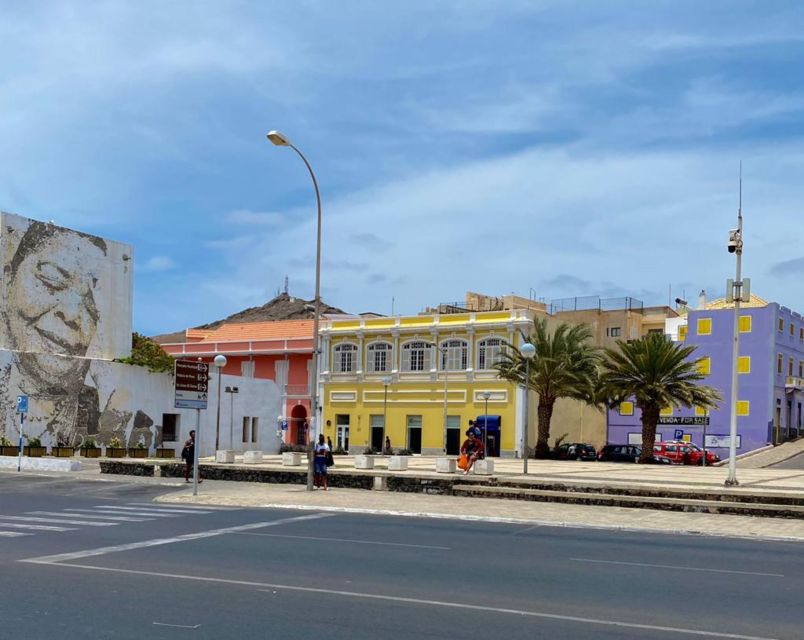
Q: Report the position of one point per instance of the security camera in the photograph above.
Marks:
(734, 241)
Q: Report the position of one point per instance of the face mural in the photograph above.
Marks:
(66, 301)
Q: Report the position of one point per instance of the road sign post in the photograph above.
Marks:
(22, 409)
(191, 381)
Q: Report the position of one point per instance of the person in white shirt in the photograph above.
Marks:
(320, 463)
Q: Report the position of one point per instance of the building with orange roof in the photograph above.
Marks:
(278, 350)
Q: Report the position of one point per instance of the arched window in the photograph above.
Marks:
(345, 359)
(379, 357)
(454, 354)
(417, 356)
(489, 352)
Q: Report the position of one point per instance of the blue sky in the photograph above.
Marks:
(565, 148)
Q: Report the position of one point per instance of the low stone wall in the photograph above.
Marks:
(127, 468)
(273, 476)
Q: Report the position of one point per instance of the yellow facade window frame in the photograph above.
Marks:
(745, 324)
(744, 365)
(667, 411)
(704, 326)
(779, 363)
(701, 412)
(743, 407)
(705, 366)
(682, 333)
(781, 325)
(626, 408)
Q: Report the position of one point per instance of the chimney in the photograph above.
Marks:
(702, 299)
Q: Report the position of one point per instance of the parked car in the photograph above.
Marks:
(619, 453)
(574, 451)
(695, 454)
(627, 453)
(673, 449)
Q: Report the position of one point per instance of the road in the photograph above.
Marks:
(114, 564)
(796, 462)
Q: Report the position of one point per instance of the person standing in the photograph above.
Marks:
(188, 453)
(329, 443)
(388, 450)
(320, 463)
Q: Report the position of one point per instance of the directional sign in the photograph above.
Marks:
(22, 404)
(191, 379)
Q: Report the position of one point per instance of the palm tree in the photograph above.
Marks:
(565, 366)
(656, 373)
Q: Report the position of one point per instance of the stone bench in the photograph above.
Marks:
(291, 459)
(252, 457)
(446, 465)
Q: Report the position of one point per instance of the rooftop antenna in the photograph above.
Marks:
(286, 285)
(392, 305)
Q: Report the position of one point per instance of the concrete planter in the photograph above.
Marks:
(252, 457)
(291, 459)
(398, 463)
(224, 456)
(483, 467)
(446, 465)
(364, 462)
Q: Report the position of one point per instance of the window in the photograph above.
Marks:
(454, 354)
(626, 408)
(792, 329)
(655, 331)
(743, 407)
(453, 422)
(801, 368)
(417, 356)
(701, 412)
(246, 429)
(790, 364)
(801, 334)
(254, 428)
(779, 363)
(682, 333)
(489, 352)
(781, 325)
(704, 326)
(345, 358)
(613, 332)
(705, 366)
(247, 368)
(745, 324)
(744, 364)
(170, 423)
(667, 411)
(379, 357)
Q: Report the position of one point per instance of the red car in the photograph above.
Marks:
(683, 452)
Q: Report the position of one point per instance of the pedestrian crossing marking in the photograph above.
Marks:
(85, 523)
(67, 513)
(13, 534)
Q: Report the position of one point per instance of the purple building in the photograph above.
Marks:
(770, 382)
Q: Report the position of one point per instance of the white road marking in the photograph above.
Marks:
(59, 521)
(13, 534)
(679, 568)
(102, 551)
(171, 505)
(35, 527)
(386, 544)
(151, 509)
(114, 512)
(269, 588)
(176, 626)
(66, 514)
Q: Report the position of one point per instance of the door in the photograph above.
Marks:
(342, 431)
(453, 435)
(377, 433)
(415, 433)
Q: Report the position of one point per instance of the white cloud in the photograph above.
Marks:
(158, 263)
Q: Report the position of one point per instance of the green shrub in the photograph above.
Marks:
(89, 443)
(34, 442)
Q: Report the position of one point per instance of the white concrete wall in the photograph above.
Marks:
(102, 400)
(63, 292)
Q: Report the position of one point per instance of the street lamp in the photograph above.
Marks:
(736, 290)
(527, 351)
(486, 396)
(386, 381)
(231, 391)
(220, 363)
(280, 140)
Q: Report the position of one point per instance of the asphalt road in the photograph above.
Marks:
(137, 569)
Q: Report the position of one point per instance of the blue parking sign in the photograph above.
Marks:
(22, 404)
(678, 434)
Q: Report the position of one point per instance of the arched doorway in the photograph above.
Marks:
(298, 424)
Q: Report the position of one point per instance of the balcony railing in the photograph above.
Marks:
(794, 383)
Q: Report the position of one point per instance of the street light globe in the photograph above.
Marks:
(220, 361)
(527, 350)
(386, 380)
(486, 395)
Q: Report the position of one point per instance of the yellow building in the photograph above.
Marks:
(389, 377)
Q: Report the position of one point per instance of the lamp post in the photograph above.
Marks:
(736, 290)
(486, 396)
(280, 140)
(231, 391)
(220, 363)
(385, 381)
(527, 351)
